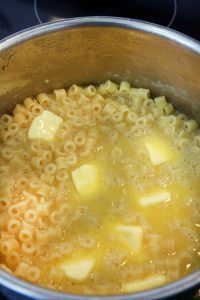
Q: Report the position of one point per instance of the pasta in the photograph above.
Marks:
(103, 197)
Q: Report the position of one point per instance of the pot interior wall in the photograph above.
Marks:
(93, 54)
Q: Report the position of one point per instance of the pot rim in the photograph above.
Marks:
(49, 27)
(31, 290)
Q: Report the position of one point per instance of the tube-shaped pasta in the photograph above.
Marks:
(98, 98)
(124, 109)
(60, 94)
(28, 248)
(38, 162)
(139, 93)
(22, 269)
(117, 116)
(90, 91)
(156, 112)
(20, 119)
(16, 209)
(96, 108)
(21, 183)
(131, 118)
(44, 189)
(6, 136)
(44, 99)
(80, 138)
(56, 274)
(108, 87)
(69, 146)
(30, 216)
(5, 119)
(59, 151)
(4, 203)
(36, 109)
(71, 113)
(25, 235)
(42, 237)
(14, 226)
(168, 109)
(83, 99)
(109, 108)
(50, 169)
(29, 103)
(150, 118)
(182, 117)
(75, 90)
(71, 159)
(121, 127)
(160, 102)
(3, 219)
(190, 125)
(43, 209)
(13, 128)
(47, 155)
(55, 217)
(124, 86)
(13, 258)
(141, 121)
(148, 103)
(61, 162)
(5, 235)
(62, 175)
(29, 198)
(7, 153)
(19, 108)
(26, 225)
(47, 178)
(65, 209)
(88, 147)
(8, 246)
(182, 142)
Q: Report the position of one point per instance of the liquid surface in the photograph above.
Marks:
(99, 190)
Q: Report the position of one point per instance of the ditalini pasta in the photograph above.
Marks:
(99, 190)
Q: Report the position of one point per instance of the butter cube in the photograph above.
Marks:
(79, 269)
(159, 150)
(155, 198)
(145, 284)
(44, 126)
(132, 235)
(87, 179)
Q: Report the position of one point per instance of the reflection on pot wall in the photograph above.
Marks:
(89, 55)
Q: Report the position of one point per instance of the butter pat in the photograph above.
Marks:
(78, 270)
(159, 150)
(155, 198)
(145, 284)
(132, 235)
(87, 179)
(44, 126)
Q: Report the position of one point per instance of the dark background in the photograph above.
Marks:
(16, 15)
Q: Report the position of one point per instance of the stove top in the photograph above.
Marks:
(181, 15)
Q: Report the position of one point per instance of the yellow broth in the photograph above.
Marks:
(102, 195)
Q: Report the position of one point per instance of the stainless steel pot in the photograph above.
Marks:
(91, 50)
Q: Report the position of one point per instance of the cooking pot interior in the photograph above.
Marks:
(42, 60)
(92, 54)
